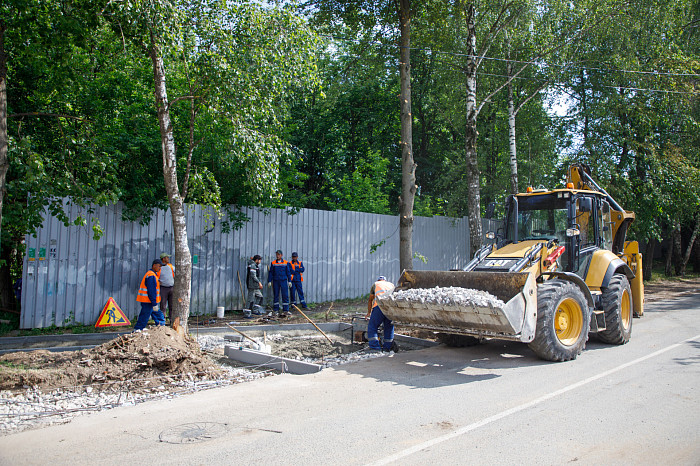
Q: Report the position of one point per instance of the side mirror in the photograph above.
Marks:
(490, 210)
(585, 204)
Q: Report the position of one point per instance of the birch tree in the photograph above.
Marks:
(235, 62)
(408, 166)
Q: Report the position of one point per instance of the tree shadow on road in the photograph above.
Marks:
(443, 366)
(680, 303)
(687, 361)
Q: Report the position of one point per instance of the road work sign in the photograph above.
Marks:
(112, 316)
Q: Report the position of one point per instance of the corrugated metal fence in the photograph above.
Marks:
(68, 276)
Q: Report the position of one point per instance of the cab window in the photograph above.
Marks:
(605, 226)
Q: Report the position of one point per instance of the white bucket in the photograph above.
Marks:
(220, 312)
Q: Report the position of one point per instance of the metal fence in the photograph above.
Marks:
(68, 277)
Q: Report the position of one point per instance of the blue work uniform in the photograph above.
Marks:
(149, 297)
(297, 279)
(378, 318)
(279, 274)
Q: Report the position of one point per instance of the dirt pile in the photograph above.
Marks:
(158, 354)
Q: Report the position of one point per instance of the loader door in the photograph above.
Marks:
(587, 242)
(605, 226)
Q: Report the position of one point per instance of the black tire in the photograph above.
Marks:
(563, 321)
(457, 341)
(617, 304)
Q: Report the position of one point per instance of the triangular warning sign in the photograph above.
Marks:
(112, 316)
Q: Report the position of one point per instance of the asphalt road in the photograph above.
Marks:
(492, 404)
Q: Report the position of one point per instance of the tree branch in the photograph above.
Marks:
(496, 29)
(184, 97)
(540, 55)
(42, 114)
(534, 93)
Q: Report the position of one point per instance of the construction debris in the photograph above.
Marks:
(153, 364)
(150, 354)
(451, 296)
(41, 388)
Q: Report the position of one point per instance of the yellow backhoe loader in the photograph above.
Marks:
(559, 269)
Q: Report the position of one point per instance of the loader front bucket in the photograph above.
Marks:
(511, 316)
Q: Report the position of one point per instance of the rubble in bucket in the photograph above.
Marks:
(450, 295)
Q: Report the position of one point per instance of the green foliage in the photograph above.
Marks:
(639, 131)
(361, 190)
(280, 111)
(374, 246)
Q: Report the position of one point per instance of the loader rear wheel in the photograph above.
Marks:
(563, 321)
(457, 341)
(617, 304)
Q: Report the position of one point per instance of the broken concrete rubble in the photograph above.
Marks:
(450, 295)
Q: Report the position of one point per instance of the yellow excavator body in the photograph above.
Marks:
(559, 269)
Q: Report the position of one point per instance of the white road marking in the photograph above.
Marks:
(468, 428)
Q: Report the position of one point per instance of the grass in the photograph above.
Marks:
(658, 275)
(12, 365)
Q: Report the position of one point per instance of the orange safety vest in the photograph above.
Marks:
(143, 290)
(381, 287)
(294, 266)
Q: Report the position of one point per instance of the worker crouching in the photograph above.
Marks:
(376, 317)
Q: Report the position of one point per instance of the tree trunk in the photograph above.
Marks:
(689, 249)
(473, 195)
(584, 108)
(648, 261)
(511, 138)
(4, 139)
(183, 259)
(675, 229)
(677, 248)
(7, 294)
(408, 167)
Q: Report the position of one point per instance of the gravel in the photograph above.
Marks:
(35, 408)
(450, 295)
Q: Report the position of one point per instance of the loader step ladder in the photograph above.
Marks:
(597, 320)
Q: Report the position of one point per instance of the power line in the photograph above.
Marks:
(525, 62)
(541, 63)
(609, 87)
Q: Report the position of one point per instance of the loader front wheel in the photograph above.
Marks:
(617, 304)
(563, 321)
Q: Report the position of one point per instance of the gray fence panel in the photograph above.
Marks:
(71, 275)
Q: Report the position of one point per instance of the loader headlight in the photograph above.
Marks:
(490, 235)
(572, 232)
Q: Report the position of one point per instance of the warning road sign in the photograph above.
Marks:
(112, 316)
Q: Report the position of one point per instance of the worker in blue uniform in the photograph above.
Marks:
(377, 318)
(149, 297)
(278, 276)
(297, 279)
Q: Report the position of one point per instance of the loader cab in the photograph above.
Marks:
(549, 215)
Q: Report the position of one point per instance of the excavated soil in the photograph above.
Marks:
(155, 354)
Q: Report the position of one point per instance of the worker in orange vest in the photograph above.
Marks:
(149, 297)
(377, 318)
(297, 277)
(278, 275)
